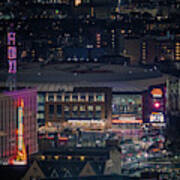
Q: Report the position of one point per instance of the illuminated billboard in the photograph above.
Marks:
(157, 93)
(11, 52)
(157, 117)
(20, 128)
(21, 156)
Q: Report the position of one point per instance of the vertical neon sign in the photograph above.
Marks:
(21, 156)
(11, 52)
(20, 128)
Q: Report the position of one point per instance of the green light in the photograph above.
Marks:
(57, 11)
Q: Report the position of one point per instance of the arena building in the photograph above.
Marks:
(86, 94)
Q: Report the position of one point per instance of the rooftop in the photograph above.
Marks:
(54, 77)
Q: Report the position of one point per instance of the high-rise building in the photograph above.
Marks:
(17, 125)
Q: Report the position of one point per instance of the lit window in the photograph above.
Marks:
(98, 97)
(90, 108)
(82, 158)
(82, 108)
(75, 108)
(77, 2)
(98, 108)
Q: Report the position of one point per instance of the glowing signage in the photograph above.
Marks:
(21, 156)
(157, 117)
(120, 121)
(20, 128)
(157, 92)
(157, 105)
(11, 38)
(12, 66)
(11, 52)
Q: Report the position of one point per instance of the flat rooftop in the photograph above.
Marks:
(67, 76)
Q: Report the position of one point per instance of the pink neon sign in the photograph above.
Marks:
(11, 52)
(11, 38)
(12, 66)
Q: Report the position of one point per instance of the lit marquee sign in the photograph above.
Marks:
(157, 93)
(157, 117)
(11, 52)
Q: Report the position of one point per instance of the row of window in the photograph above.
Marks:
(71, 97)
(73, 108)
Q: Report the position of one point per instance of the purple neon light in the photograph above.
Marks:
(12, 52)
(12, 67)
(11, 38)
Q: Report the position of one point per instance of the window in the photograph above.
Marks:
(67, 98)
(98, 115)
(51, 97)
(99, 97)
(40, 116)
(91, 98)
(59, 97)
(40, 98)
(51, 109)
(83, 97)
(75, 108)
(66, 108)
(90, 108)
(90, 114)
(83, 114)
(59, 110)
(98, 108)
(40, 107)
(82, 108)
(74, 97)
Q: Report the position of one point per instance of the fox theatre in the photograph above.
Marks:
(154, 106)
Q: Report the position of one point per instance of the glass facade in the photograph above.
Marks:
(127, 104)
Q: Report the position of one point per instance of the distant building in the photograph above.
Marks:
(79, 162)
(18, 123)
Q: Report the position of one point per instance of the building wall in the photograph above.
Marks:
(173, 95)
(9, 121)
(82, 103)
(132, 48)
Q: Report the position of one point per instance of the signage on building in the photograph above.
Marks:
(20, 128)
(11, 52)
(157, 93)
(157, 117)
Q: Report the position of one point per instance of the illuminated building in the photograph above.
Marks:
(100, 9)
(87, 93)
(18, 122)
(154, 104)
(177, 50)
(79, 108)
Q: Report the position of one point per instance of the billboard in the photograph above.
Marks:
(11, 52)
(157, 117)
(157, 93)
